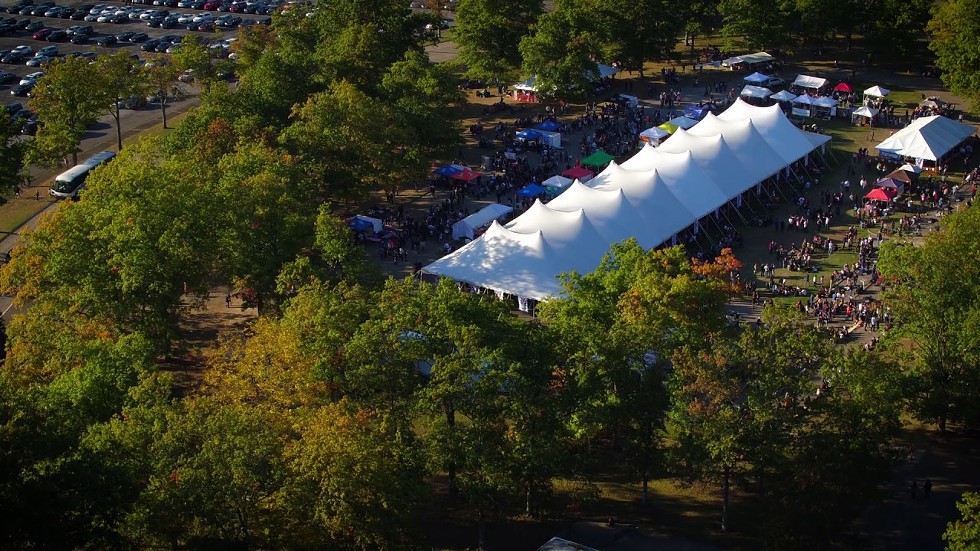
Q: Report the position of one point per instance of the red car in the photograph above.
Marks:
(42, 34)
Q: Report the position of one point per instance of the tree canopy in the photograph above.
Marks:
(952, 30)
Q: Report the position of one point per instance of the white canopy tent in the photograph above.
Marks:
(553, 139)
(683, 122)
(756, 78)
(557, 181)
(877, 92)
(652, 196)
(810, 83)
(755, 92)
(783, 95)
(654, 134)
(864, 111)
(927, 138)
(825, 105)
(468, 226)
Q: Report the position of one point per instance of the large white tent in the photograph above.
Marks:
(467, 226)
(926, 138)
(652, 196)
(750, 59)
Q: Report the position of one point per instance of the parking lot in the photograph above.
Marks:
(128, 24)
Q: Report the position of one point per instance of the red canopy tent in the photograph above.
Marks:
(844, 87)
(466, 175)
(579, 172)
(880, 194)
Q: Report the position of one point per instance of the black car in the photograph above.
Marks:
(34, 26)
(106, 41)
(150, 45)
(7, 28)
(79, 38)
(66, 12)
(78, 15)
(162, 47)
(14, 58)
(6, 77)
(57, 35)
(125, 36)
(22, 90)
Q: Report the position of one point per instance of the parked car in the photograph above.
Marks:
(34, 26)
(43, 33)
(49, 51)
(79, 38)
(6, 77)
(138, 37)
(22, 90)
(38, 60)
(32, 77)
(106, 41)
(81, 29)
(150, 45)
(57, 35)
(125, 36)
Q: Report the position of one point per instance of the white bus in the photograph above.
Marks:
(69, 182)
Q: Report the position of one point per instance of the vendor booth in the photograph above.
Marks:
(803, 106)
(467, 227)
(783, 96)
(863, 115)
(876, 92)
(557, 183)
(755, 92)
(808, 82)
(579, 173)
(824, 107)
(653, 135)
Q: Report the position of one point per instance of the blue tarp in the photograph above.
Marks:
(549, 126)
(698, 113)
(529, 135)
(531, 190)
(359, 225)
(446, 170)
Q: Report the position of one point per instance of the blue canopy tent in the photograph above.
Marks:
(446, 170)
(549, 126)
(531, 190)
(362, 223)
(529, 135)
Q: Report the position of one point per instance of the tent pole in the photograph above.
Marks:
(739, 212)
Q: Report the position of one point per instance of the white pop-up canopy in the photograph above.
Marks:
(468, 226)
(755, 92)
(557, 181)
(825, 101)
(783, 95)
(654, 195)
(756, 78)
(877, 92)
(864, 111)
(811, 83)
(926, 138)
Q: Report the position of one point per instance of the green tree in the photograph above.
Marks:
(562, 48)
(160, 79)
(933, 306)
(896, 28)
(637, 32)
(121, 79)
(488, 36)
(756, 24)
(67, 101)
(964, 534)
(618, 327)
(13, 151)
(150, 229)
(952, 29)
(194, 56)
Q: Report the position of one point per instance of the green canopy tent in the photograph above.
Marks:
(669, 127)
(599, 158)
